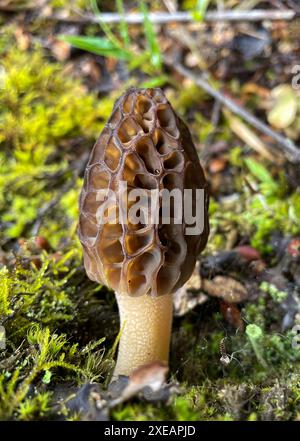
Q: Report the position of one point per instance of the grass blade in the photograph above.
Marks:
(96, 45)
(150, 34)
(105, 28)
(123, 25)
(200, 11)
(158, 81)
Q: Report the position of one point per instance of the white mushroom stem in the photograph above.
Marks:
(146, 329)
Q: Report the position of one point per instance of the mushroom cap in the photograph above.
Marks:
(146, 145)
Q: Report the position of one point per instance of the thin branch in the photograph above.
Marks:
(181, 16)
(291, 151)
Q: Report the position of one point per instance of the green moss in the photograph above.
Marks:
(48, 122)
(35, 304)
(44, 293)
(194, 404)
(36, 407)
(271, 208)
(265, 215)
(47, 352)
(43, 112)
(274, 292)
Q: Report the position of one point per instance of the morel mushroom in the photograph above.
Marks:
(145, 145)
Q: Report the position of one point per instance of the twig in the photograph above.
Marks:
(291, 151)
(180, 16)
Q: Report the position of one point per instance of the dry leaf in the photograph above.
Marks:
(61, 50)
(22, 38)
(232, 315)
(248, 253)
(226, 288)
(152, 375)
(189, 296)
(91, 69)
(217, 165)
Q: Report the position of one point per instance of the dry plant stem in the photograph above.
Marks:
(290, 150)
(146, 324)
(180, 16)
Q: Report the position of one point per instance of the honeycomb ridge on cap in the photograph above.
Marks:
(147, 145)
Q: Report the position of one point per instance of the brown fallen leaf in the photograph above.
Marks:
(226, 288)
(185, 301)
(22, 38)
(248, 253)
(111, 64)
(189, 295)
(152, 375)
(60, 50)
(232, 315)
(255, 89)
(217, 165)
(294, 247)
(91, 69)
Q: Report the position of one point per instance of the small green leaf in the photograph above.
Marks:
(96, 45)
(260, 172)
(155, 82)
(47, 377)
(200, 10)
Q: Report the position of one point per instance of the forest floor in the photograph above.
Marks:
(235, 352)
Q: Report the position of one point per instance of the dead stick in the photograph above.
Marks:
(181, 16)
(291, 151)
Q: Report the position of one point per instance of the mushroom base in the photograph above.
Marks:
(146, 329)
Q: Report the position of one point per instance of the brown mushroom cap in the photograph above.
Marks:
(147, 145)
